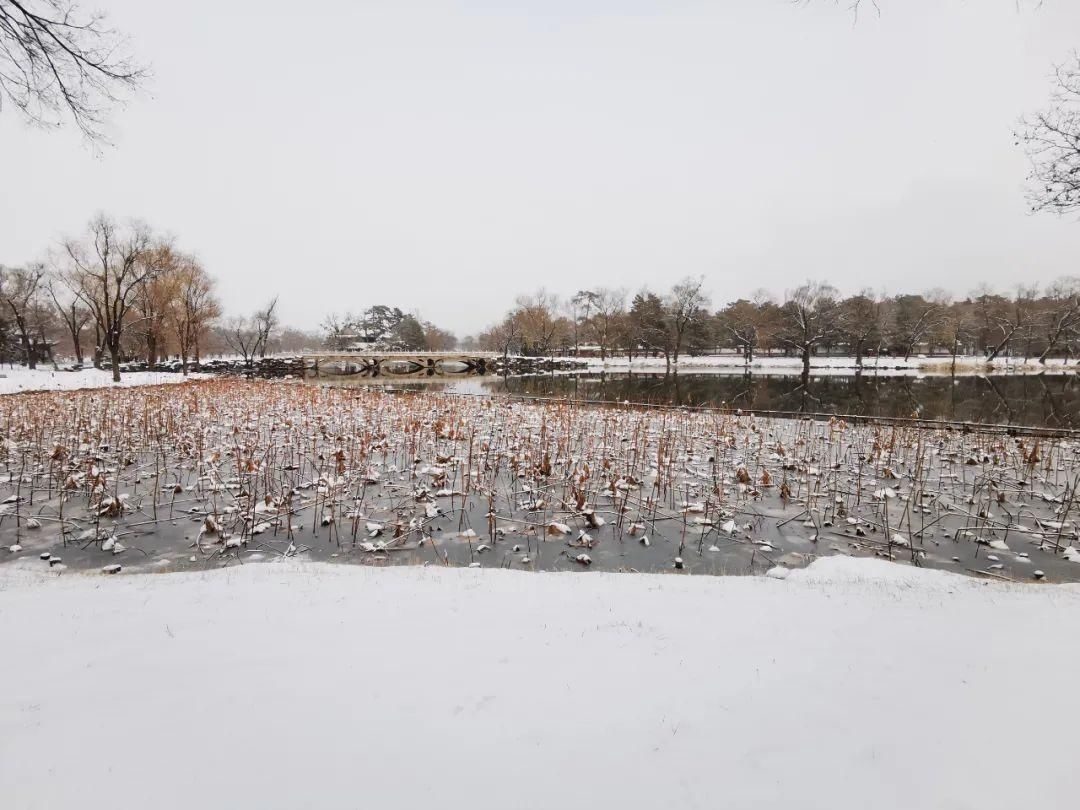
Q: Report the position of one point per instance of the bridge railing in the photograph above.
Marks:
(369, 353)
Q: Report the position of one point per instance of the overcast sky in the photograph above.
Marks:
(446, 156)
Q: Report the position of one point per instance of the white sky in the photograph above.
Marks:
(446, 156)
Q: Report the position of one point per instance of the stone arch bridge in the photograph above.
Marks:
(400, 364)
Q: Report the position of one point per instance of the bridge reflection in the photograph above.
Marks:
(399, 364)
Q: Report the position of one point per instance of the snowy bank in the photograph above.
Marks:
(16, 379)
(855, 683)
(841, 365)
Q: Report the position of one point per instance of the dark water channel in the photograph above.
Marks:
(1042, 400)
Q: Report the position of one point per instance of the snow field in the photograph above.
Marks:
(854, 683)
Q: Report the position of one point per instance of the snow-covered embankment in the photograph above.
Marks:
(19, 379)
(854, 683)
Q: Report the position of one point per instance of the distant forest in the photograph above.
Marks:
(812, 319)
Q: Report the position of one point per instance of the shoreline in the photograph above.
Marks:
(936, 366)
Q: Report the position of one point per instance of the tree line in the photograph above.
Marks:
(119, 292)
(811, 319)
(122, 292)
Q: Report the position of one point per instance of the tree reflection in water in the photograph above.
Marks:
(1036, 399)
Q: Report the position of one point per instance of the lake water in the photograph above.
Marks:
(1044, 400)
(225, 471)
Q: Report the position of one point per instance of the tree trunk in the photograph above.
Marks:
(28, 350)
(48, 352)
(997, 349)
(114, 356)
(806, 361)
(1051, 342)
(99, 350)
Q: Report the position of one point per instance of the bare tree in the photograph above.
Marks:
(106, 272)
(155, 298)
(536, 321)
(57, 61)
(580, 307)
(72, 313)
(1051, 139)
(860, 323)
(956, 328)
(297, 341)
(913, 319)
(686, 303)
(1060, 318)
(19, 292)
(609, 307)
(812, 319)
(808, 319)
(438, 340)
(194, 309)
(747, 323)
(1010, 319)
(340, 330)
(248, 337)
(242, 335)
(265, 321)
(504, 337)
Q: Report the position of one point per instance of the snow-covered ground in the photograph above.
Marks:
(852, 684)
(15, 379)
(766, 364)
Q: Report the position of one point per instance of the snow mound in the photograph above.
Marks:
(867, 571)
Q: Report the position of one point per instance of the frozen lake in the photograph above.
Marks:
(1045, 400)
(228, 471)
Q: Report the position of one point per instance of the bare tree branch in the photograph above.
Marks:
(58, 62)
(1051, 139)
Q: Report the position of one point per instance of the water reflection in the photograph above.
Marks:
(1038, 399)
